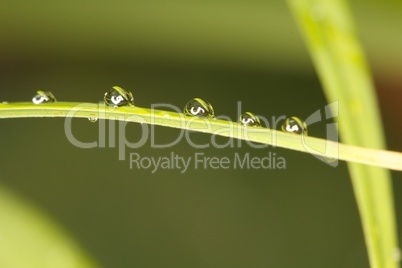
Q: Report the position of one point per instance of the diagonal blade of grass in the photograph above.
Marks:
(328, 29)
(334, 150)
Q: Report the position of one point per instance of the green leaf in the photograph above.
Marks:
(330, 34)
(311, 145)
(29, 239)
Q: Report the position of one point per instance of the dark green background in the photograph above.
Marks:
(170, 52)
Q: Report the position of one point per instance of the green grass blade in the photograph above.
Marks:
(328, 29)
(233, 130)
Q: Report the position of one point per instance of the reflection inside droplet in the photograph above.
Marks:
(92, 119)
(249, 119)
(199, 107)
(43, 97)
(118, 96)
(294, 125)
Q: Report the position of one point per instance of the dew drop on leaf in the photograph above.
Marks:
(294, 125)
(249, 119)
(199, 107)
(118, 96)
(43, 97)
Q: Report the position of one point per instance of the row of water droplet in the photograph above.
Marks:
(118, 96)
(202, 108)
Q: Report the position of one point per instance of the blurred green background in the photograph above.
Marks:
(170, 52)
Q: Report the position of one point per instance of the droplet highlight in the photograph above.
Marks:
(294, 125)
(43, 97)
(199, 107)
(118, 96)
(249, 119)
(92, 119)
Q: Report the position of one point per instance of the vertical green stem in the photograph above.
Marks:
(329, 32)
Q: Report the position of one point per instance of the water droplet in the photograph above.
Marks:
(199, 107)
(294, 125)
(118, 96)
(92, 119)
(43, 97)
(328, 160)
(249, 119)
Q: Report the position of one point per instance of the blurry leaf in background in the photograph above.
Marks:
(29, 239)
(172, 51)
(253, 33)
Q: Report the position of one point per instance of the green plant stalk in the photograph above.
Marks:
(329, 31)
(320, 147)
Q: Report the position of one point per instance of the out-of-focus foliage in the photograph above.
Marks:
(170, 52)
